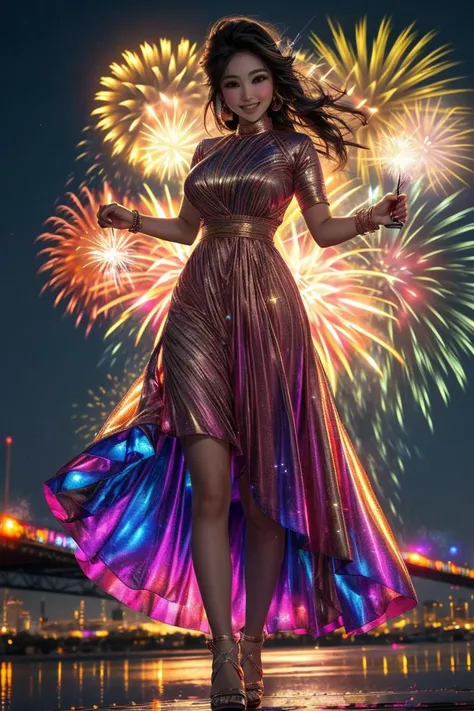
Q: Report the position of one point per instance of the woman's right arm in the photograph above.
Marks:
(182, 229)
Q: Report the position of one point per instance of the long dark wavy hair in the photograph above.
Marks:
(326, 111)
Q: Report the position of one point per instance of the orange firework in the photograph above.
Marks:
(86, 264)
(153, 281)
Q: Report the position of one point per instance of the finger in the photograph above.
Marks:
(102, 221)
(100, 212)
(106, 215)
(401, 215)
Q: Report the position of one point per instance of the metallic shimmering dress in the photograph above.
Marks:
(236, 361)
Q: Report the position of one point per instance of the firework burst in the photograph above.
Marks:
(383, 444)
(429, 286)
(441, 139)
(169, 141)
(86, 264)
(335, 286)
(104, 399)
(385, 78)
(97, 166)
(146, 80)
(147, 302)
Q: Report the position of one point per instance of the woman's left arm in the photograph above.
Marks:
(328, 231)
(311, 194)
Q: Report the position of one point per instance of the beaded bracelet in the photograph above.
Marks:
(136, 222)
(364, 222)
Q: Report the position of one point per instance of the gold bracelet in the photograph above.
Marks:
(364, 222)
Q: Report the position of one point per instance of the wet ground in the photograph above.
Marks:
(421, 699)
(435, 676)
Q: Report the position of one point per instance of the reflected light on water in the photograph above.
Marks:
(27, 684)
(125, 676)
(364, 666)
(59, 684)
(101, 681)
(5, 685)
(81, 678)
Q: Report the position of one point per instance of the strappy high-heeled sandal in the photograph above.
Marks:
(253, 689)
(232, 699)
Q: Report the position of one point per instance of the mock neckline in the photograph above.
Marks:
(262, 124)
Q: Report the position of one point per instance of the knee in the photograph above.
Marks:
(257, 520)
(211, 504)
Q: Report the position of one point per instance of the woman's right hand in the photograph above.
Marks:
(114, 215)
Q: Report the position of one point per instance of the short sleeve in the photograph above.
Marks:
(309, 185)
(197, 156)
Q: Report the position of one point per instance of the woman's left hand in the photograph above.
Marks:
(390, 206)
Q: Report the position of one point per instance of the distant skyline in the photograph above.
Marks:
(55, 55)
(92, 607)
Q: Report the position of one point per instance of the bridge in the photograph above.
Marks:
(39, 558)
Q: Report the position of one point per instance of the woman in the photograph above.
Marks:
(223, 493)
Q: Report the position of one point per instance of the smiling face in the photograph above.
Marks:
(247, 82)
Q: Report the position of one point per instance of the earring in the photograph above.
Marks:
(277, 103)
(225, 113)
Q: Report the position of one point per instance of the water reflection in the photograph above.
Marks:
(51, 684)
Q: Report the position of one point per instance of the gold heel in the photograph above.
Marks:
(233, 699)
(253, 689)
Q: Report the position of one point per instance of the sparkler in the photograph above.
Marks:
(399, 157)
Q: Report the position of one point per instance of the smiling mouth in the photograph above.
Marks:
(250, 106)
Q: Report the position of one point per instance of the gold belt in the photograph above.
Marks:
(243, 226)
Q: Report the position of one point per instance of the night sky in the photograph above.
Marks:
(54, 54)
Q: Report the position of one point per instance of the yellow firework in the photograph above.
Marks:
(102, 401)
(442, 140)
(146, 80)
(385, 78)
(169, 138)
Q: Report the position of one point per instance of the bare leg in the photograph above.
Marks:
(208, 461)
(265, 547)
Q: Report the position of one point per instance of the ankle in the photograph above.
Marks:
(252, 635)
(224, 646)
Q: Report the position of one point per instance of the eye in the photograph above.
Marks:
(259, 76)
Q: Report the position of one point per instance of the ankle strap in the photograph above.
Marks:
(247, 638)
(223, 657)
(221, 638)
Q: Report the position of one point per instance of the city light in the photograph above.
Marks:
(438, 565)
(11, 527)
